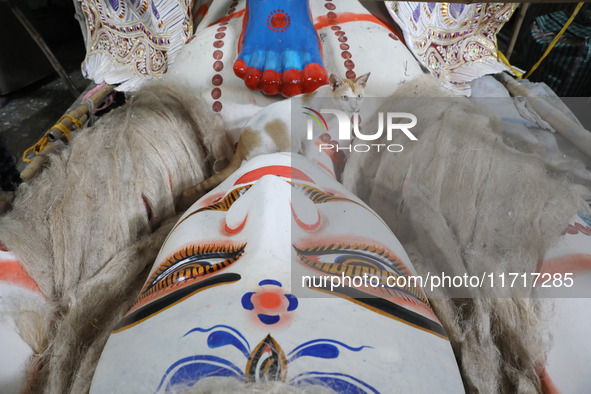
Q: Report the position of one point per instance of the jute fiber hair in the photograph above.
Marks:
(461, 201)
(88, 228)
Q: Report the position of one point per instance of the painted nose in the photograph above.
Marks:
(263, 215)
(268, 213)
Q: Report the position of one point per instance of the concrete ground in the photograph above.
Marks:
(26, 114)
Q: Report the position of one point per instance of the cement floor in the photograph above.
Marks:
(26, 115)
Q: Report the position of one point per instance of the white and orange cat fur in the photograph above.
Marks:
(269, 130)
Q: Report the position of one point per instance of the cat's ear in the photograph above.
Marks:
(362, 80)
(335, 82)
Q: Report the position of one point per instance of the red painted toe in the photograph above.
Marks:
(240, 68)
(270, 82)
(251, 78)
(291, 84)
(314, 77)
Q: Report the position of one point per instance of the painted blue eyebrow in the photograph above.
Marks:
(269, 282)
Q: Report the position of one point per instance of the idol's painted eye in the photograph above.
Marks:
(344, 258)
(181, 275)
(366, 275)
(354, 260)
(188, 264)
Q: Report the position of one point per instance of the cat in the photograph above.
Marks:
(269, 131)
(350, 92)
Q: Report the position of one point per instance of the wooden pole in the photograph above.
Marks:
(517, 29)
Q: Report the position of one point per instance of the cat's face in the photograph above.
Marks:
(349, 92)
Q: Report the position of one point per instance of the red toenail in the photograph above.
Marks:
(251, 78)
(291, 85)
(240, 68)
(270, 82)
(314, 77)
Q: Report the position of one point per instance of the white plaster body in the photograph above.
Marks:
(15, 352)
(569, 359)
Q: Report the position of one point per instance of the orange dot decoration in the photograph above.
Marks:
(270, 303)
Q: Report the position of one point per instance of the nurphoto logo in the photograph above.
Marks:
(348, 128)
